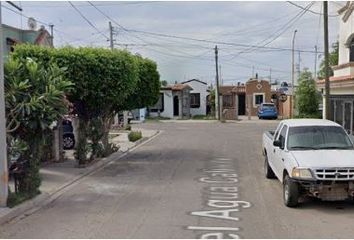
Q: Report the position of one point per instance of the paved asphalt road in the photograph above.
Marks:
(193, 180)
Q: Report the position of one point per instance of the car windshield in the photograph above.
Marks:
(266, 106)
(318, 137)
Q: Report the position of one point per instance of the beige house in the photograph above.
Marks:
(342, 83)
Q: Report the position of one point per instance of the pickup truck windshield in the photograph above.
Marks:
(318, 137)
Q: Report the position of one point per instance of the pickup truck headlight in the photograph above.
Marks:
(303, 173)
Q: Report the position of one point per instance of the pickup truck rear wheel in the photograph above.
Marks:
(290, 192)
(267, 169)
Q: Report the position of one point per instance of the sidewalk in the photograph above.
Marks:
(57, 176)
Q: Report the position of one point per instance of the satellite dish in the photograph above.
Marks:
(32, 23)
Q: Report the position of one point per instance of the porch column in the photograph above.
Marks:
(249, 106)
(180, 106)
(236, 106)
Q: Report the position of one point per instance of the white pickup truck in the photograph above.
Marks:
(311, 157)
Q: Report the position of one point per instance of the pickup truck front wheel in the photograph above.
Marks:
(267, 169)
(290, 192)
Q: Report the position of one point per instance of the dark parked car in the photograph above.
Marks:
(68, 135)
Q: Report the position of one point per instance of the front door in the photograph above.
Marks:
(175, 106)
(348, 117)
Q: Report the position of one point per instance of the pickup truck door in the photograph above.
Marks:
(279, 153)
(272, 148)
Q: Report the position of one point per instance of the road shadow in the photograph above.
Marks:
(334, 207)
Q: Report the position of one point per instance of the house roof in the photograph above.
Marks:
(337, 79)
(180, 87)
(177, 87)
(224, 90)
(195, 80)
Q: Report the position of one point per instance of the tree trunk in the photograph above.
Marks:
(81, 149)
(105, 139)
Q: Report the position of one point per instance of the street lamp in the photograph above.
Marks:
(292, 75)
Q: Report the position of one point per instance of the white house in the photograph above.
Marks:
(198, 96)
(174, 102)
(342, 83)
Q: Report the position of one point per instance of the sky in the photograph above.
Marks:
(252, 37)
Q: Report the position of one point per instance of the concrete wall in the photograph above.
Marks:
(168, 105)
(253, 87)
(201, 88)
(22, 36)
(346, 29)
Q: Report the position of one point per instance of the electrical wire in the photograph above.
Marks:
(317, 13)
(280, 31)
(189, 38)
(87, 20)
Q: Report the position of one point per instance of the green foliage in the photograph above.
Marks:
(16, 198)
(307, 96)
(212, 101)
(147, 90)
(34, 99)
(164, 83)
(203, 117)
(134, 136)
(128, 128)
(333, 61)
(104, 79)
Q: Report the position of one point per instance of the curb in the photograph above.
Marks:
(33, 205)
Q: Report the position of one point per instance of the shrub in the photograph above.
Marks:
(128, 128)
(134, 136)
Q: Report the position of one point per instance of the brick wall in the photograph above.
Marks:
(257, 86)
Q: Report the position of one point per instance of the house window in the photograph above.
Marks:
(258, 99)
(351, 51)
(159, 105)
(195, 100)
(227, 101)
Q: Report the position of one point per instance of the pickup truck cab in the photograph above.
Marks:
(310, 157)
(267, 110)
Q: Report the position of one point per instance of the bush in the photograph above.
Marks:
(134, 136)
(128, 128)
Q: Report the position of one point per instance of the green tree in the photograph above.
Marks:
(307, 96)
(104, 79)
(333, 61)
(147, 90)
(164, 83)
(34, 99)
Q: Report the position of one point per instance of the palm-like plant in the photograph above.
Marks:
(34, 99)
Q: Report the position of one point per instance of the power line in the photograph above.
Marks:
(87, 20)
(24, 15)
(317, 13)
(280, 31)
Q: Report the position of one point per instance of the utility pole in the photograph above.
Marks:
(3, 155)
(270, 75)
(217, 105)
(51, 35)
(221, 80)
(111, 35)
(292, 75)
(252, 71)
(299, 69)
(327, 87)
(315, 73)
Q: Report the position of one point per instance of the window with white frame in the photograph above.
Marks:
(258, 99)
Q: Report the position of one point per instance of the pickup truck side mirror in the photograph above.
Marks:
(277, 143)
